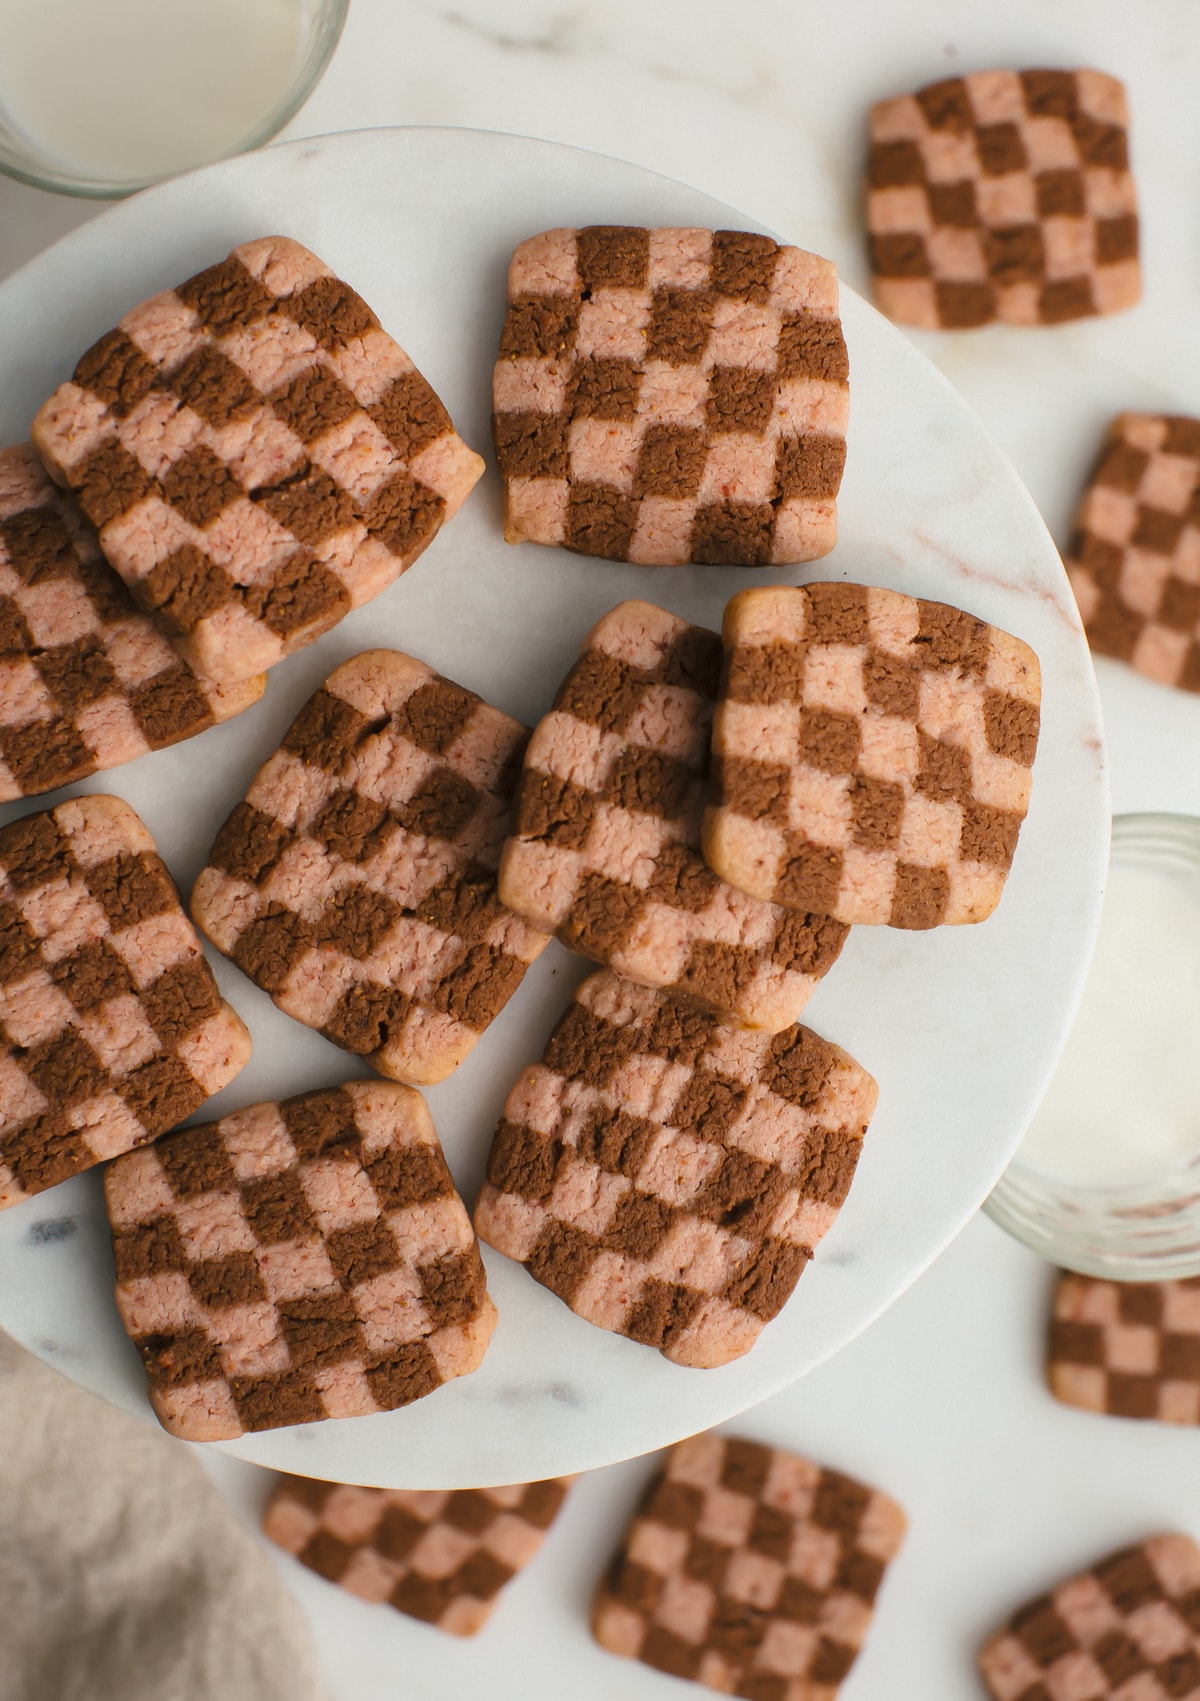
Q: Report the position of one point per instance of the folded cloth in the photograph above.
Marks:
(123, 1574)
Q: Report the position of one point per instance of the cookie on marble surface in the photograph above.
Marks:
(605, 847)
(665, 396)
(257, 455)
(297, 1261)
(1003, 195)
(1128, 1348)
(1126, 1630)
(439, 1555)
(871, 755)
(357, 882)
(111, 1026)
(667, 1176)
(86, 680)
(1134, 555)
(750, 1570)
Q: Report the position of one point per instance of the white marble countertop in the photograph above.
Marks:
(941, 1402)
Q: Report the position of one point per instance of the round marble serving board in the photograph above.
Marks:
(961, 1027)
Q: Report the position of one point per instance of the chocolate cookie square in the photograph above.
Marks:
(357, 882)
(872, 755)
(1128, 1628)
(87, 681)
(1128, 1348)
(442, 1556)
(1134, 555)
(750, 1570)
(1003, 195)
(111, 1026)
(667, 1176)
(297, 1261)
(256, 454)
(605, 846)
(666, 396)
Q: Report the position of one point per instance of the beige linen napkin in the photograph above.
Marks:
(123, 1574)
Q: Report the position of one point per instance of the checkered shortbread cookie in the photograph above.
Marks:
(606, 831)
(664, 396)
(1129, 1348)
(750, 1570)
(357, 883)
(667, 1176)
(438, 1555)
(1127, 1630)
(111, 1026)
(872, 755)
(1003, 195)
(257, 455)
(1134, 555)
(297, 1261)
(86, 681)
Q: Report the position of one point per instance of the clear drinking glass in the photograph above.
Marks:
(1148, 1228)
(313, 30)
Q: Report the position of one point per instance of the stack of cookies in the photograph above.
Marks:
(245, 459)
(669, 1167)
(235, 466)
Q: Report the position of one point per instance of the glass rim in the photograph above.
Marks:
(1157, 1223)
(39, 172)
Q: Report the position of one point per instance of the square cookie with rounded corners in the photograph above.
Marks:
(749, 1569)
(1128, 1628)
(605, 846)
(872, 755)
(1131, 1349)
(111, 1026)
(297, 1261)
(1134, 555)
(439, 1555)
(357, 883)
(87, 681)
(668, 1177)
(257, 455)
(1003, 195)
(666, 396)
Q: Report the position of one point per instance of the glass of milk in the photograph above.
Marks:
(1107, 1179)
(102, 97)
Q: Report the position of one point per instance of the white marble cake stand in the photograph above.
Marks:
(962, 1027)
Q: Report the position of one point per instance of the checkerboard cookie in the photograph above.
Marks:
(111, 1026)
(871, 755)
(357, 882)
(1129, 1348)
(1128, 1629)
(667, 1176)
(1134, 555)
(297, 1261)
(1003, 195)
(257, 455)
(605, 847)
(439, 1555)
(86, 679)
(665, 396)
(750, 1570)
